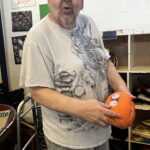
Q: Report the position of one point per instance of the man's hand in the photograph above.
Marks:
(96, 112)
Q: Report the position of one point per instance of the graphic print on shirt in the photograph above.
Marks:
(64, 82)
(90, 52)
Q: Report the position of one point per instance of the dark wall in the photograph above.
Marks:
(3, 70)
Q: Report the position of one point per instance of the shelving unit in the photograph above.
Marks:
(133, 54)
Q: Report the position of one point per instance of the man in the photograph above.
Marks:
(67, 70)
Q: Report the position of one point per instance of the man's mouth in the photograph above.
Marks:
(67, 10)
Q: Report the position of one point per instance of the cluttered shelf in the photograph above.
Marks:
(143, 102)
(141, 133)
(130, 55)
(133, 141)
(142, 106)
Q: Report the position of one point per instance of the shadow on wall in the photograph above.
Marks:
(12, 98)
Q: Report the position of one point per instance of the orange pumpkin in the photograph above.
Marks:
(122, 103)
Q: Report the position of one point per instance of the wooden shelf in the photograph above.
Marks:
(133, 55)
(140, 69)
(139, 142)
(122, 69)
(142, 107)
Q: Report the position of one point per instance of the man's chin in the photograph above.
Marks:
(67, 21)
(67, 25)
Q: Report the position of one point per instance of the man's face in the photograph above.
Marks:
(65, 12)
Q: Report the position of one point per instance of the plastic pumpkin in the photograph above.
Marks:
(122, 103)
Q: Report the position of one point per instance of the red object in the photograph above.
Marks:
(122, 103)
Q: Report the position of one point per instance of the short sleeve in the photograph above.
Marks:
(36, 68)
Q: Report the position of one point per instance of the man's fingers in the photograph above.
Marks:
(105, 105)
(114, 123)
(108, 112)
(112, 114)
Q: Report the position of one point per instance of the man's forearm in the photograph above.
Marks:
(55, 100)
(90, 110)
(115, 80)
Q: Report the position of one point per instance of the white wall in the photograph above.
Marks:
(129, 16)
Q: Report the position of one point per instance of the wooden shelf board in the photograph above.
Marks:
(139, 142)
(129, 140)
(142, 106)
(140, 69)
(122, 69)
(135, 42)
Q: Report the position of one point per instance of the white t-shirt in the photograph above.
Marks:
(73, 62)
